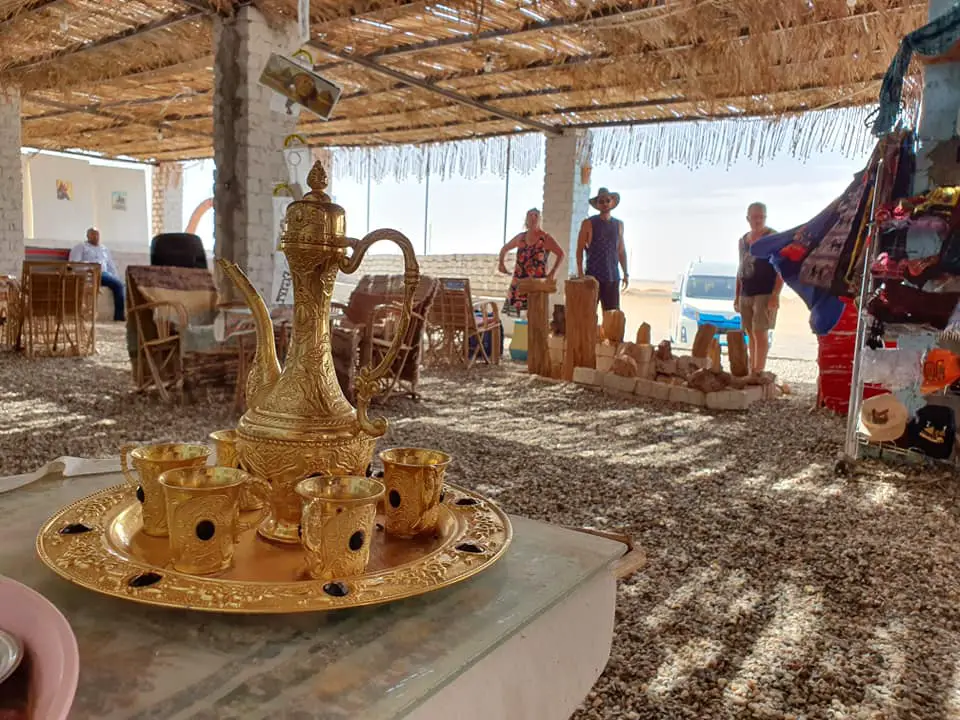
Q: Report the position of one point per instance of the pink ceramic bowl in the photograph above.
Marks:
(51, 648)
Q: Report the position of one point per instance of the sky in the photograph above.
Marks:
(672, 215)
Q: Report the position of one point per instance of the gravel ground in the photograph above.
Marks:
(774, 589)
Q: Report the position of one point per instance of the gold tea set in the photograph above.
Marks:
(296, 468)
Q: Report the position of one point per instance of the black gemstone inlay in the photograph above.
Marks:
(470, 548)
(336, 589)
(369, 470)
(75, 529)
(356, 540)
(394, 499)
(443, 494)
(300, 531)
(379, 527)
(140, 496)
(145, 579)
(468, 501)
(205, 529)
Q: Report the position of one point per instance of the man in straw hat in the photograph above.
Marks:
(601, 240)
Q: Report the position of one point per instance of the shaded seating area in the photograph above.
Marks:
(171, 313)
(363, 330)
(461, 331)
(57, 308)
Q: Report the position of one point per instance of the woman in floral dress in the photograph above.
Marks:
(533, 247)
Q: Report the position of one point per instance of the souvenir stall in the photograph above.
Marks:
(878, 270)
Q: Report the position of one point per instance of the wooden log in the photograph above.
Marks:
(614, 325)
(737, 352)
(643, 334)
(715, 355)
(703, 340)
(582, 295)
(538, 292)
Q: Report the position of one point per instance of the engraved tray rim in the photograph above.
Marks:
(95, 566)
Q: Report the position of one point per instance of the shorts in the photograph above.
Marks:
(610, 295)
(756, 315)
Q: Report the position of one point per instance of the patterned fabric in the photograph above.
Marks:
(603, 252)
(822, 259)
(531, 263)
(934, 38)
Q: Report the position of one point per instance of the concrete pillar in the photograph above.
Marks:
(940, 111)
(11, 185)
(248, 142)
(565, 196)
(168, 198)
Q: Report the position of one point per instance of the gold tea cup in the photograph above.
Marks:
(225, 443)
(151, 461)
(337, 523)
(414, 480)
(203, 512)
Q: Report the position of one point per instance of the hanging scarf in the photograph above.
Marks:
(933, 39)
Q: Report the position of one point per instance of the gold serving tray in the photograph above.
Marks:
(97, 543)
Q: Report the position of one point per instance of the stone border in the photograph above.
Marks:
(629, 387)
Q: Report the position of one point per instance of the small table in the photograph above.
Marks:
(525, 639)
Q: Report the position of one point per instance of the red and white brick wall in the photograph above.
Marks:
(167, 192)
(11, 185)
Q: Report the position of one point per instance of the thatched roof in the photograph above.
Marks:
(135, 77)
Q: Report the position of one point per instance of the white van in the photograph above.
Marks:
(704, 294)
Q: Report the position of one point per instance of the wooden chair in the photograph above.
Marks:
(170, 332)
(454, 326)
(9, 312)
(58, 307)
(363, 331)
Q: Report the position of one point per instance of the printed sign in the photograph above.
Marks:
(300, 86)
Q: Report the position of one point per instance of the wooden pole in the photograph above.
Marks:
(643, 334)
(538, 323)
(715, 355)
(582, 295)
(737, 354)
(703, 340)
(614, 324)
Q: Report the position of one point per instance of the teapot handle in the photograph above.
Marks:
(368, 381)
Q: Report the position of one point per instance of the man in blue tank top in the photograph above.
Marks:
(601, 240)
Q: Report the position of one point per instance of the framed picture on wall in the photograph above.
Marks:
(300, 85)
(118, 200)
(64, 190)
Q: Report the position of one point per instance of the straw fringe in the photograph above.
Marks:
(691, 144)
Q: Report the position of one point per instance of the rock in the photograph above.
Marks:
(707, 381)
(624, 366)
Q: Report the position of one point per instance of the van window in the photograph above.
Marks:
(711, 287)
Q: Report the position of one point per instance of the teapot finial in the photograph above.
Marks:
(317, 179)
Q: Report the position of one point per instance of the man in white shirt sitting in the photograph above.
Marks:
(92, 251)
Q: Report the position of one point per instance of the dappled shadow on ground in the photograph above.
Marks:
(774, 587)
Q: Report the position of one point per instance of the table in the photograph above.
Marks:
(526, 639)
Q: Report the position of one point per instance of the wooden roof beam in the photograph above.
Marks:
(157, 126)
(120, 103)
(423, 85)
(624, 11)
(159, 24)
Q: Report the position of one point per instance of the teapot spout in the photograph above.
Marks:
(266, 367)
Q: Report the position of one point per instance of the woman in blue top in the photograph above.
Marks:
(601, 240)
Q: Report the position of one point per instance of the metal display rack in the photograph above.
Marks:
(855, 444)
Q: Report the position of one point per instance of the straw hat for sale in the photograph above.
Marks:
(604, 193)
(883, 418)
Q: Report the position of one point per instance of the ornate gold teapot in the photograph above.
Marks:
(298, 422)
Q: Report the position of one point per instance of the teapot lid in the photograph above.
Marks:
(316, 214)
